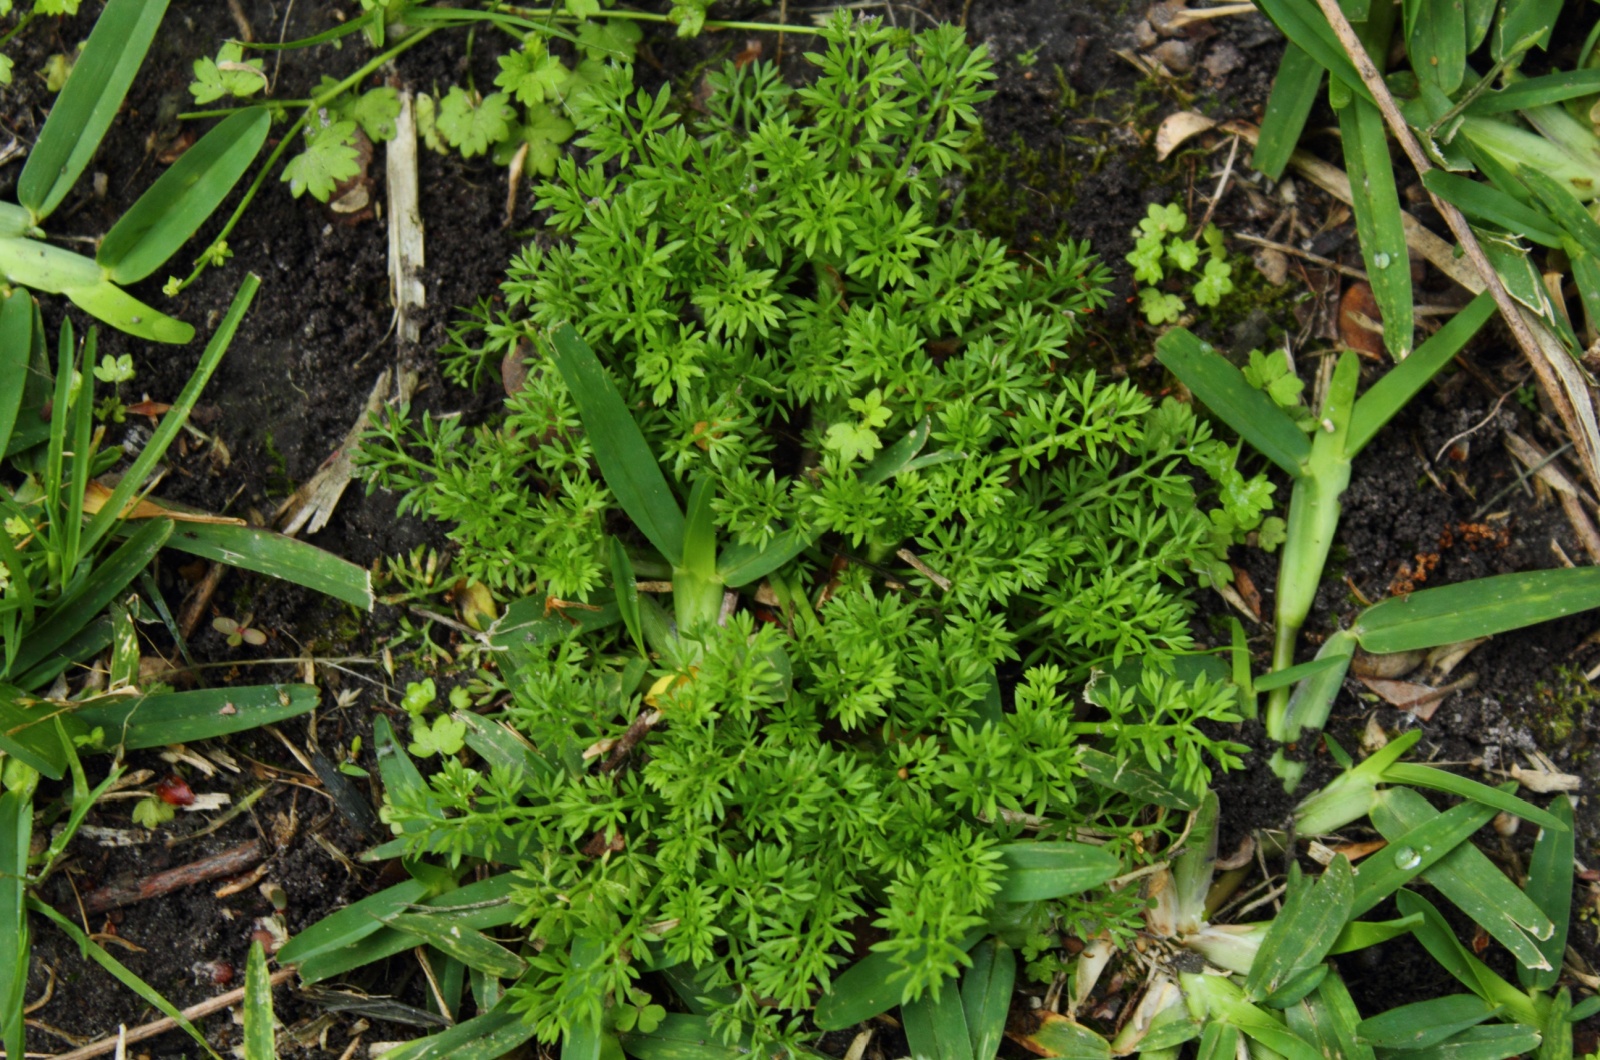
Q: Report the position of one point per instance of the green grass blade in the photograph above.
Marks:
(1425, 1023)
(259, 1041)
(1470, 880)
(986, 996)
(277, 556)
(1538, 91)
(124, 645)
(501, 746)
(897, 457)
(16, 833)
(1304, 931)
(107, 302)
(1313, 697)
(31, 427)
(1550, 886)
(352, 923)
(1401, 383)
(1298, 672)
(1327, 1019)
(739, 565)
(1362, 934)
(530, 623)
(936, 1026)
(27, 735)
(1486, 203)
(1294, 91)
(1219, 1041)
(74, 612)
(1036, 871)
(868, 988)
(78, 464)
(133, 479)
(168, 718)
(333, 952)
(88, 102)
(493, 1034)
(700, 532)
(1412, 854)
(1436, 41)
(1136, 779)
(1491, 1041)
(1478, 608)
(1523, 24)
(1376, 203)
(1226, 1002)
(1420, 776)
(1586, 274)
(16, 343)
(472, 948)
(1223, 390)
(626, 587)
(1564, 207)
(586, 1036)
(625, 459)
(88, 641)
(122, 973)
(181, 199)
(395, 767)
(682, 1037)
(44, 267)
(1307, 28)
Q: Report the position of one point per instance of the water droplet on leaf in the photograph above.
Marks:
(1406, 859)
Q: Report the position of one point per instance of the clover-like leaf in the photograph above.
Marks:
(1159, 307)
(330, 157)
(229, 74)
(471, 127)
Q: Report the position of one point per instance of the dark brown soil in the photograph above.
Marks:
(1067, 155)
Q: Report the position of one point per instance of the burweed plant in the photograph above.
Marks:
(762, 325)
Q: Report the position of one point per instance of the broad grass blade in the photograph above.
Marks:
(133, 479)
(936, 1025)
(1133, 778)
(1470, 880)
(26, 735)
(1226, 1002)
(16, 343)
(352, 923)
(1298, 672)
(259, 1040)
(75, 612)
(1436, 41)
(1491, 1041)
(1059, 1036)
(1402, 382)
(1313, 697)
(122, 973)
(1294, 92)
(625, 459)
(1523, 24)
(168, 718)
(1550, 886)
(1441, 943)
(486, 1037)
(586, 1036)
(106, 301)
(897, 457)
(1376, 203)
(1479, 608)
(1564, 207)
(501, 746)
(16, 833)
(682, 1037)
(986, 996)
(531, 622)
(1486, 203)
(178, 203)
(1223, 390)
(1538, 91)
(88, 101)
(1361, 934)
(1425, 1023)
(1219, 1041)
(1307, 28)
(44, 267)
(700, 532)
(277, 556)
(395, 767)
(1419, 776)
(124, 645)
(1419, 849)
(1304, 931)
(740, 565)
(626, 588)
(476, 907)
(868, 988)
(1327, 1019)
(472, 948)
(1040, 870)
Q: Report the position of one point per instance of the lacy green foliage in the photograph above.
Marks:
(782, 300)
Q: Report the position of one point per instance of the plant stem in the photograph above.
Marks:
(648, 16)
(223, 112)
(316, 101)
(18, 28)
